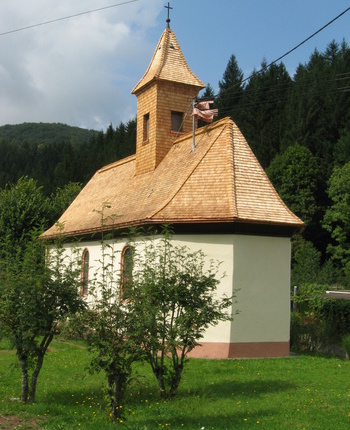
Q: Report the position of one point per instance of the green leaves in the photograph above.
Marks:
(337, 217)
(172, 302)
(22, 208)
(35, 294)
(295, 176)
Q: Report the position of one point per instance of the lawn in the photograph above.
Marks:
(300, 392)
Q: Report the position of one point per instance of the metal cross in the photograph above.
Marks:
(168, 20)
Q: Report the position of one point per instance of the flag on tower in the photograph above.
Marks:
(201, 111)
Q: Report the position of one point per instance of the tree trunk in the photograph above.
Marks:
(117, 385)
(40, 359)
(24, 376)
(176, 381)
(35, 376)
(159, 374)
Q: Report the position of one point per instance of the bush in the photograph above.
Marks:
(305, 333)
(334, 314)
(346, 346)
(320, 322)
(73, 328)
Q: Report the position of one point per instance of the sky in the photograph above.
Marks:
(80, 71)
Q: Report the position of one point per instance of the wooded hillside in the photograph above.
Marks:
(55, 154)
(39, 133)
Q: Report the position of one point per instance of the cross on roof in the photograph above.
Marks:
(168, 20)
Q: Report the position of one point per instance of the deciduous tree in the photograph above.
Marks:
(173, 301)
(34, 297)
(337, 217)
(35, 293)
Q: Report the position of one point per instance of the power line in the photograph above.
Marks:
(308, 38)
(247, 104)
(301, 83)
(68, 17)
(271, 97)
(288, 52)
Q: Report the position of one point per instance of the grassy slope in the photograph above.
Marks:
(296, 393)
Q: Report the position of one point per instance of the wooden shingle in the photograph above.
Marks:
(221, 181)
(169, 64)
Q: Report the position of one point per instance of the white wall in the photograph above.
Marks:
(257, 267)
(262, 273)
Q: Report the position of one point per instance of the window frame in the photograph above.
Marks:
(85, 267)
(146, 122)
(176, 121)
(126, 276)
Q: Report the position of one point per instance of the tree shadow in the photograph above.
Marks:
(244, 389)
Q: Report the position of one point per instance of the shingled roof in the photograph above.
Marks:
(220, 182)
(169, 64)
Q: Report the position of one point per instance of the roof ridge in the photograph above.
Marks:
(149, 66)
(269, 183)
(209, 127)
(189, 176)
(164, 53)
(233, 196)
(183, 57)
(117, 163)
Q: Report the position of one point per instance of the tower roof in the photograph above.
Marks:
(169, 64)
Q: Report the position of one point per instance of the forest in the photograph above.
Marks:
(297, 126)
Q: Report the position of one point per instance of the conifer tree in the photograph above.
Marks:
(230, 89)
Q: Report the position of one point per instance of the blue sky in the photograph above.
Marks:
(81, 71)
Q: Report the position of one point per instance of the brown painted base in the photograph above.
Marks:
(241, 350)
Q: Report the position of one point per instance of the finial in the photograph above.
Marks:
(168, 20)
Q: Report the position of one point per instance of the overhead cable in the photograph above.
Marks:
(288, 52)
(68, 17)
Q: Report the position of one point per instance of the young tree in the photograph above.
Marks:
(34, 298)
(173, 301)
(35, 294)
(109, 321)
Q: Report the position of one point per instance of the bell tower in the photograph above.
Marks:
(164, 102)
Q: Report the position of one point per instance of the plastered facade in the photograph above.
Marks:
(257, 270)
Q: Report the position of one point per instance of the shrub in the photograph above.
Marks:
(334, 314)
(305, 333)
(346, 346)
(320, 321)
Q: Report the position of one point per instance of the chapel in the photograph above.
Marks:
(207, 183)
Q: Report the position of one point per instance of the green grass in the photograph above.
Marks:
(298, 393)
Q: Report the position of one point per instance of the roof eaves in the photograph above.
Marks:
(160, 220)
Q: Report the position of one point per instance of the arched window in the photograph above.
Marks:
(85, 273)
(126, 271)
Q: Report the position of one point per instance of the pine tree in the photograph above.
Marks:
(231, 90)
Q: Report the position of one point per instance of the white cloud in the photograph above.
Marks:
(78, 71)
